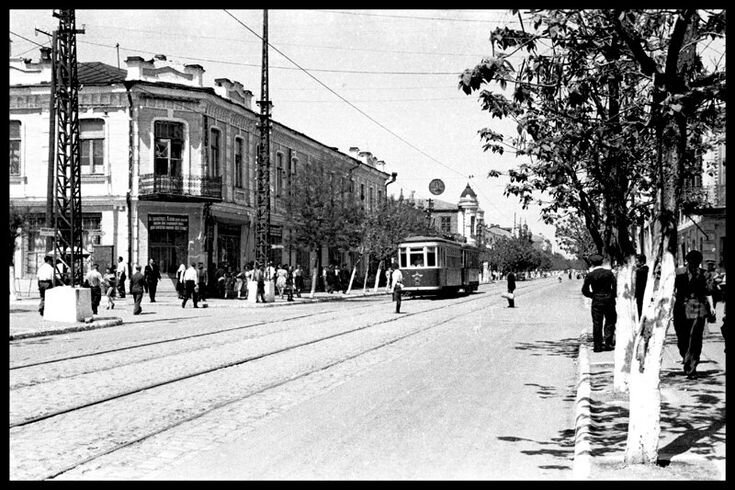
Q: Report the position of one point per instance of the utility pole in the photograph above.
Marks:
(263, 217)
(68, 193)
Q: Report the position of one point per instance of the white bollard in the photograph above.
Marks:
(67, 304)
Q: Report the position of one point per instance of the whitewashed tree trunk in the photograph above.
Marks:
(352, 278)
(313, 280)
(644, 425)
(13, 292)
(377, 276)
(626, 325)
(367, 269)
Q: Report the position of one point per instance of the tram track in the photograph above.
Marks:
(239, 363)
(270, 386)
(177, 339)
(221, 366)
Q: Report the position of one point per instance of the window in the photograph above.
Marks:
(362, 192)
(416, 257)
(380, 197)
(446, 224)
(472, 226)
(371, 198)
(430, 256)
(92, 145)
(168, 148)
(238, 162)
(14, 147)
(214, 152)
(278, 184)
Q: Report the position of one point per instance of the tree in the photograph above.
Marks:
(574, 237)
(320, 213)
(609, 121)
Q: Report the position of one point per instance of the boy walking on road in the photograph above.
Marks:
(600, 285)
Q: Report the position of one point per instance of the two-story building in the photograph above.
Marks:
(463, 219)
(168, 165)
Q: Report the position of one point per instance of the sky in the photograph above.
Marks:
(399, 67)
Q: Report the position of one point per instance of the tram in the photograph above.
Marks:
(433, 265)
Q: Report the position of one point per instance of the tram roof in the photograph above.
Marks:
(422, 238)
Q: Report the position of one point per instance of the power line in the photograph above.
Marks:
(26, 39)
(412, 17)
(348, 102)
(322, 70)
(301, 45)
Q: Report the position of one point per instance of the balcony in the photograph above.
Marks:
(167, 188)
(704, 197)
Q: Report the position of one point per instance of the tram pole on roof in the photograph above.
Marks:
(263, 216)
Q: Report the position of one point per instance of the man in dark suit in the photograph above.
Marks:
(692, 307)
(136, 289)
(511, 278)
(152, 275)
(600, 285)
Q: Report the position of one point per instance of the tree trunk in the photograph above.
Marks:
(644, 425)
(377, 276)
(352, 278)
(625, 327)
(13, 292)
(367, 273)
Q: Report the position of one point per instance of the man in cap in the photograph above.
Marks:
(600, 285)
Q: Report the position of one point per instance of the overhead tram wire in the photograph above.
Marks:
(354, 107)
(357, 108)
(410, 17)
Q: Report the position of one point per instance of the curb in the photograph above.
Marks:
(582, 464)
(76, 328)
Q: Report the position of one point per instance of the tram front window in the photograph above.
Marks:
(417, 257)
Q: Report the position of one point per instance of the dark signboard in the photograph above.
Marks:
(167, 222)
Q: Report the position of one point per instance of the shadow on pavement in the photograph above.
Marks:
(563, 347)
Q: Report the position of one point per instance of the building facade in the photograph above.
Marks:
(168, 165)
(463, 220)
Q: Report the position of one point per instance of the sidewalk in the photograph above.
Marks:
(692, 440)
(25, 322)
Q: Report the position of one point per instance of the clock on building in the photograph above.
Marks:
(436, 187)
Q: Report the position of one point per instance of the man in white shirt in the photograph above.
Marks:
(397, 286)
(191, 276)
(45, 275)
(94, 280)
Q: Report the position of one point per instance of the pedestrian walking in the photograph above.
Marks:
(93, 280)
(397, 286)
(289, 283)
(180, 284)
(202, 282)
(109, 285)
(281, 274)
(241, 282)
(344, 278)
(600, 285)
(152, 275)
(511, 281)
(259, 277)
(713, 281)
(191, 276)
(45, 276)
(137, 288)
(641, 278)
(248, 279)
(229, 284)
(298, 277)
(692, 307)
(122, 274)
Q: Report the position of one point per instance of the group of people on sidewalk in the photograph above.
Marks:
(110, 284)
(695, 295)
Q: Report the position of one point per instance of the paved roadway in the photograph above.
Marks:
(459, 388)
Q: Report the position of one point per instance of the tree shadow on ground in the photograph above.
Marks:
(696, 416)
(563, 347)
(560, 447)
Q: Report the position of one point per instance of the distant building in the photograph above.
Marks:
(463, 220)
(168, 165)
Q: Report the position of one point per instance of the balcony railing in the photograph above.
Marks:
(170, 188)
(708, 196)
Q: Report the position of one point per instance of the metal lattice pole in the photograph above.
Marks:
(263, 218)
(67, 189)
